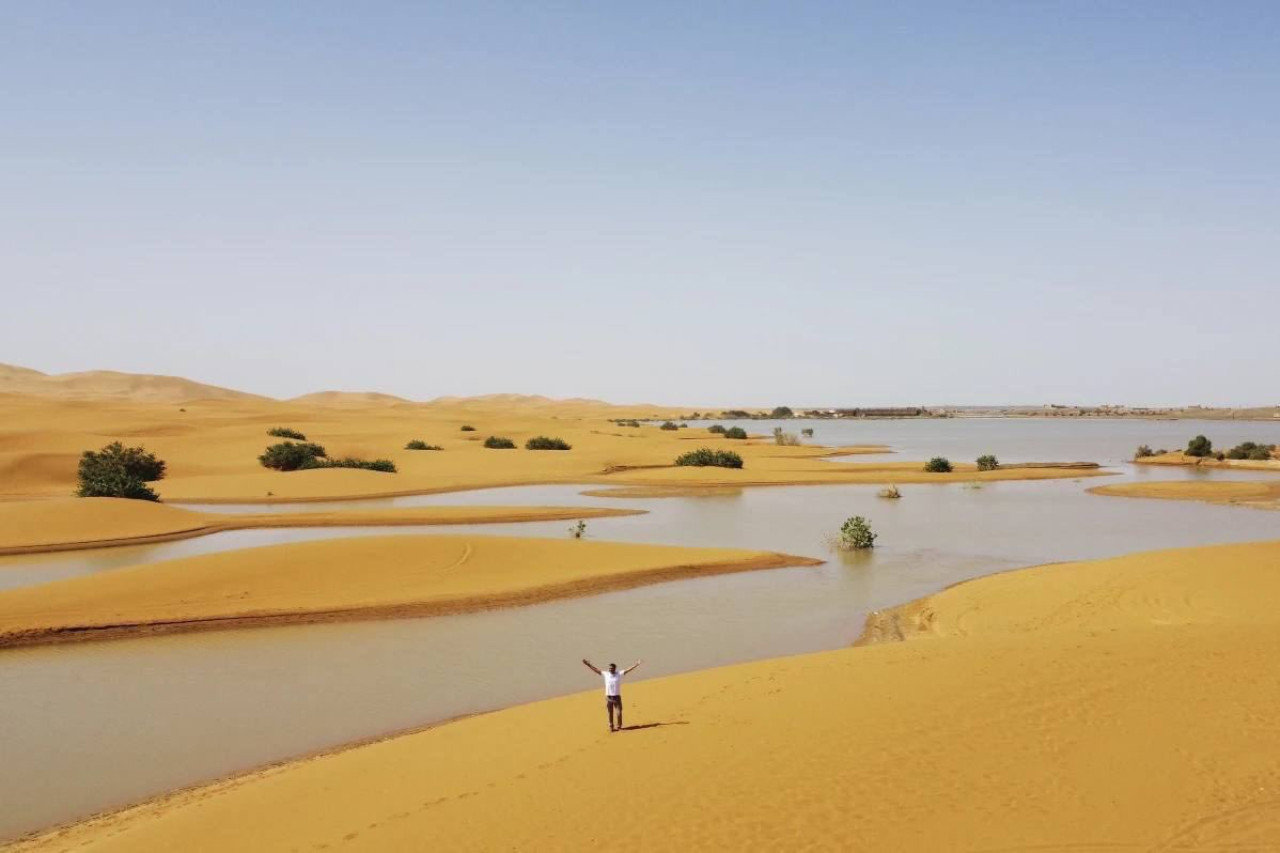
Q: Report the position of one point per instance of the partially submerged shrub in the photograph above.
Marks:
(705, 456)
(735, 432)
(785, 439)
(117, 471)
(1143, 452)
(938, 465)
(669, 426)
(467, 428)
(987, 462)
(716, 428)
(288, 456)
(419, 444)
(285, 432)
(1199, 446)
(856, 534)
(497, 442)
(807, 432)
(890, 492)
(541, 442)
(1251, 450)
(579, 530)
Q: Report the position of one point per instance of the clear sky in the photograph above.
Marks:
(695, 202)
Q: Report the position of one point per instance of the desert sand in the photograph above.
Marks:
(1179, 458)
(362, 577)
(1260, 494)
(66, 524)
(1123, 704)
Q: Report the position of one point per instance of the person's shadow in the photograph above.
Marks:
(653, 725)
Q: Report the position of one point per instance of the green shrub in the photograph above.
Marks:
(541, 442)
(117, 471)
(288, 456)
(705, 456)
(782, 412)
(419, 444)
(987, 462)
(785, 439)
(856, 534)
(1143, 452)
(285, 432)
(497, 442)
(669, 426)
(384, 465)
(716, 428)
(735, 414)
(1199, 446)
(1251, 450)
(467, 428)
(938, 465)
(735, 432)
(579, 530)
(628, 423)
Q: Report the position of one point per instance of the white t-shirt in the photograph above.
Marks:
(612, 681)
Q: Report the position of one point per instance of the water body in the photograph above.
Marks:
(94, 726)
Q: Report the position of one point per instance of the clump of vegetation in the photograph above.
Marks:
(384, 465)
(1143, 452)
(716, 428)
(579, 530)
(419, 444)
(938, 465)
(497, 442)
(987, 462)
(628, 423)
(785, 439)
(890, 492)
(117, 471)
(285, 432)
(466, 428)
(856, 534)
(1251, 450)
(705, 456)
(735, 432)
(782, 412)
(735, 414)
(541, 442)
(668, 425)
(1200, 447)
(807, 432)
(289, 456)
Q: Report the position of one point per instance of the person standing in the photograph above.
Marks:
(612, 689)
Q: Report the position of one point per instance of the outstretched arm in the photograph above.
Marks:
(633, 666)
(590, 667)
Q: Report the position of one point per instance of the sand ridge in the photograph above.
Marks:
(1259, 494)
(355, 578)
(1108, 705)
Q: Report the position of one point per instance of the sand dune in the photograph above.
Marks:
(67, 524)
(364, 577)
(346, 398)
(98, 384)
(1123, 704)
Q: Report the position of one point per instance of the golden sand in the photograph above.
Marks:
(358, 578)
(1260, 494)
(67, 524)
(212, 446)
(1123, 704)
(1178, 458)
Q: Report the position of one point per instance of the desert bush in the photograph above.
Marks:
(288, 456)
(716, 428)
(735, 432)
(735, 414)
(1251, 450)
(419, 444)
(782, 412)
(285, 432)
(1199, 446)
(856, 534)
(117, 471)
(890, 492)
(668, 425)
(807, 432)
(1143, 452)
(938, 465)
(705, 456)
(384, 465)
(628, 423)
(785, 439)
(497, 442)
(987, 462)
(579, 530)
(466, 428)
(541, 442)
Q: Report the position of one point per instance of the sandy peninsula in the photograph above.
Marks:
(1259, 494)
(1182, 459)
(68, 524)
(357, 578)
(1123, 704)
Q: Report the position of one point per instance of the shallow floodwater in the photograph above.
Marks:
(94, 726)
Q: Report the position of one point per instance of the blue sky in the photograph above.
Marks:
(706, 203)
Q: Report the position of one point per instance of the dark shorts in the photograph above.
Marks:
(613, 702)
